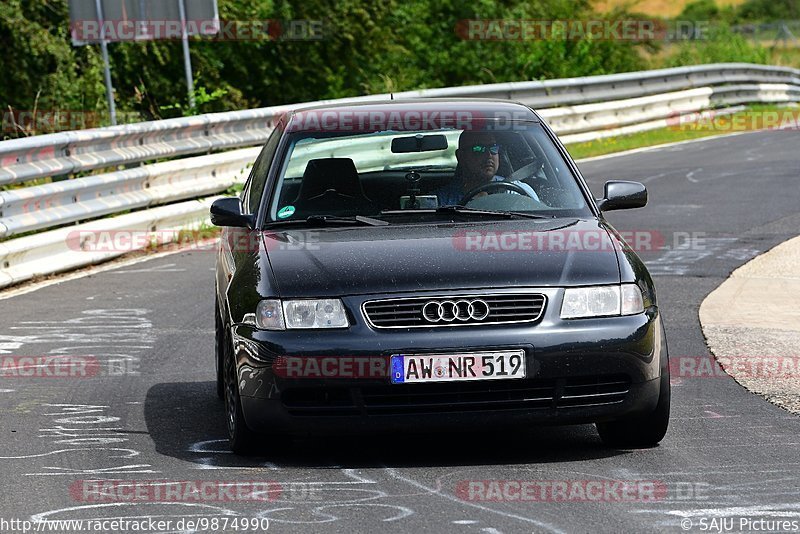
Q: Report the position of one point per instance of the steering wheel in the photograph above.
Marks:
(493, 185)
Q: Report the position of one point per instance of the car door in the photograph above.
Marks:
(237, 245)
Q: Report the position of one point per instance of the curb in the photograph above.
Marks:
(752, 325)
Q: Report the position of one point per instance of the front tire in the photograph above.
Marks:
(644, 431)
(242, 440)
(219, 351)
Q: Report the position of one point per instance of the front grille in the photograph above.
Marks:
(408, 312)
(402, 399)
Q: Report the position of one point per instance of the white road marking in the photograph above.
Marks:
(766, 510)
(438, 491)
(690, 175)
(29, 287)
(166, 268)
(131, 452)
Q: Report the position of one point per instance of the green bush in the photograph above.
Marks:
(700, 10)
(368, 47)
(769, 10)
(718, 45)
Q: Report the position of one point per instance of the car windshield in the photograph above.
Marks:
(408, 175)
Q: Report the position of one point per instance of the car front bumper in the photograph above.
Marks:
(578, 371)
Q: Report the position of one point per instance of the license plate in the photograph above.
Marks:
(503, 365)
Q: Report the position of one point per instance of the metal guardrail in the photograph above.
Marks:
(71, 152)
(579, 109)
(607, 119)
(97, 241)
(57, 203)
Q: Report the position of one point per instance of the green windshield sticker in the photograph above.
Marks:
(286, 211)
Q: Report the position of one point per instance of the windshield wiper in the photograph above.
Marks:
(472, 211)
(331, 219)
(369, 221)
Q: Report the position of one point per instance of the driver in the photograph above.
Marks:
(478, 156)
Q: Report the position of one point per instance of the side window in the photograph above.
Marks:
(251, 195)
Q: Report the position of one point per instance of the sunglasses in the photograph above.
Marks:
(481, 149)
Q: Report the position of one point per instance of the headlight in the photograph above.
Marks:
(292, 314)
(602, 301)
(326, 313)
(269, 315)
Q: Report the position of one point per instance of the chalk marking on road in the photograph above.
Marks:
(88, 333)
(765, 482)
(352, 473)
(131, 452)
(741, 253)
(769, 510)
(320, 511)
(678, 260)
(167, 268)
(199, 446)
(438, 491)
(116, 470)
(738, 446)
(85, 414)
(404, 511)
(210, 462)
(8, 347)
(723, 470)
(648, 179)
(717, 416)
(29, 287)
(690, 175)
(47, 325)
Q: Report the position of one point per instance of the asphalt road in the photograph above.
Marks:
(728, 454)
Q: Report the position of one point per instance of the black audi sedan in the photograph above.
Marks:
(431, 264)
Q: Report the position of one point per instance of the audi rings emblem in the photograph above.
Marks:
(455, 310)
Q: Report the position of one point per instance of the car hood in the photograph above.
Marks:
(410, 258)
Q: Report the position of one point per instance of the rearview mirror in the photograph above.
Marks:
(228, 212)
(419, 143)
(619, 195)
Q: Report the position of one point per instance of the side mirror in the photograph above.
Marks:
(228, 212)
(619, 195)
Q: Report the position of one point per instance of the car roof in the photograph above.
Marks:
(485, 108)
